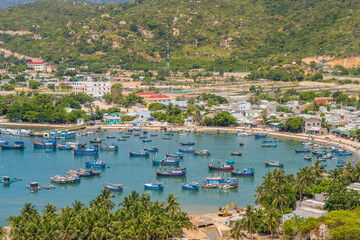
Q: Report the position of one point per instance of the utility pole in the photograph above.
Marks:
(168, 56)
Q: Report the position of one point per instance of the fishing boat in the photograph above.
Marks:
(136, 134)
(153, 134)
(188, 142)
(58, 179)
(109, 147)
(269, 145)
(188, 150)
(267, 141)
(190, 186)
(63, 147)
(175, 155)
(242, 134)
(125, 136)
(151, 149)
(139, 154)
(341, 162)
(96, 164)
(3, 141)
(302, 151)
(340, 165)
(142, 137)
(202, 153)
(235, 153)
(50, 143)
(274, 164)
(167, 138)
(147, 140)
(154, 186)
(228, 166)
(96, 140)
(80, 172)
(14, 146)
(169, 134)
(113, 187)
(73, 177)
(227, 186)
(86, 151)
(145, 132)
(172, 173)
(241, 144)
(122, 139)
(344, 153)
(307, 157)
(6, 179)
(260, 135)
(321, 159)
(93, 172)
(64, 134)
(246, 172)
(214, 182)
(110, 137)
(167, 161)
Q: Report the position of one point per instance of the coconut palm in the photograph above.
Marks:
(3, 233)
(197, 117)
(172, 204)
(236, 230)
(249, 219)
(272, 219)
(303, 179)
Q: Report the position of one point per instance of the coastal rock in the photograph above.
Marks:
(320, 233)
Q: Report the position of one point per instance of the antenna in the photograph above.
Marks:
(168, 56)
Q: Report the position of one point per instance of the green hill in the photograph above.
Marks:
(227, 34)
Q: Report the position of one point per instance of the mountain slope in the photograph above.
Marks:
(228, 34)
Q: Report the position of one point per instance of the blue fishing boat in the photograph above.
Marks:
(344, 153)
(6, 179)
(340, 165)
(190, 186)
(188, 150)
(268, 141)
(202, 153)
(260, 135)
(63, 146)
(54, 134)
(151, 149)
(187, 143)
(147, 140)
(178, 172)
(175, 155)
(307, 157)
(109, 147)
(110, 137)
(216, 182)
(113, 187)
(247, 172)
(274, 164)
(86, 151)
(96, 164)
(145, 132)
(15, 145)
(65, 134)
(302, 151)
(139, 154)
(154, 186)
(51, 143)
(3, 141)
(167, 161)
(269, 145)
(96, 140)
(122, 139)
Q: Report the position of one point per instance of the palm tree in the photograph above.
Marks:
(236, 231)
(172, 204)
(3, 233)
(250, 219)
(317, 169)
(197, 117)
(273, 220)
(302, 181)
(29, 211)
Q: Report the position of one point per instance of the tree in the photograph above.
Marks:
(207, 122)
(249, 219)
(197, 117)
(236, 230)
(224, 119)
(272, 219)
(294, 124)
(344, 224)
(343, 200)
(7, 87)
(264, 116)
(34, 84)
(116, 92)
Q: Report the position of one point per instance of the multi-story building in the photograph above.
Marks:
(38, 66)
(157, 99)
(313, 126)
(95, 89)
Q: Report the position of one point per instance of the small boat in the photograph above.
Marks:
(188, 150)
(340, 165)
(267, 141)
(247, 172)
(6, 179)
(3, 141)
(154, 186)
(153, 134)
(34, 186)
(147, 140)
(145, 132)
(110, 147)
(58, 179)
(172, 173)
(136, 134)
(169, 134)
(274, 164)
(216, 181)
(175, 155)
(48, 186)
(139, 154)
(125, 136)
(188, 142)
(235, 153)
(208, 186)
(122, 139)
(344, 153)
(96, 140)
(202, 153)
(321, 159)
(242, 134)
(51, 143)
(260, 135)
(269, 145)
(226, 186)
(16, 145)
(93, 172)
(113, 187)
(167, 161)
(167, 138)
(63, 147)
(110, 137)
(151, 149)
(190, 186)
(228, 166)
(86, 151)
(241, 144)
(142, 137)
(302, 151)
(73, 177)
(80, 172)
(307, 157)
(96, 164)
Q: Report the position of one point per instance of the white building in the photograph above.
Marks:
(38, 66)
(240, 106)
(95, 89)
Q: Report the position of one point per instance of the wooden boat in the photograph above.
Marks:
(96, 140)
(167, 138)
(208, 186)
(3, 141)
(145, 132)
(260, 135)
(96, 164)
(113, 187)
(187, 143)
(307, 157)
(274, 164)
(63, 147)
(202, 153)
(172, 173)
(86, 151)
(153, 134)
(93, 172)
(122, 139)
(228, 166)
(167, 161)
(175, 155)
(190, 186)
(139, 154)
(147, 140)
(267, 141)
(125, 136)
(154, 186)
(151, 149)
(74, 177)
(302, 151)
(58, 179)
(344, 153)
(188, 150)
(136, 134)
(110, 147)
(142, 137)
(214, 182)
(51, 143)
(242, 134)
(269, 145)
(247, 172)
(6, 179)
(80, 172)
(110, 137)
(15, 146)
(227, 186)
(235, 153)
(241, 144)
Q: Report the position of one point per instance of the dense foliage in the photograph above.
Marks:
(222, 119)
(136, 218)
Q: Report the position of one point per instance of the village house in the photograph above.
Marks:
(37, 66)
(313, 126)
(324, 100)
(95, 89)
(157, 99)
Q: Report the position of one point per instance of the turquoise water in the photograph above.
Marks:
(36, 165)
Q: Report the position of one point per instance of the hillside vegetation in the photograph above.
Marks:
(228, 35)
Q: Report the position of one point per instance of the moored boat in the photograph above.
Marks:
(139, 154)
(247, 172)
(154, 186)
(110, 137)
(147, 140)
(178, 172)
(274, 164)
(96, 140)
(58, 179)
(167, 161)
(63, 147)
(109, 147)
(307, 157)
(113, 187)
(6, 179)
(175, 155)
(302, 151)
(151, 149)
(188, 142)
(188, 150)
(202, 152)
(95, 164)
(190, 186)
(14, 146)
(228, 166)
(214, 182)
(235, 153)
(51, 143)
(86, 151)
(260, 135)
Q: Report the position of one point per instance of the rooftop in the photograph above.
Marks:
(158, 96)
(145, 93)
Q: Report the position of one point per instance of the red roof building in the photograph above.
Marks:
(38, 66)
(145, 94)
(157, 99)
